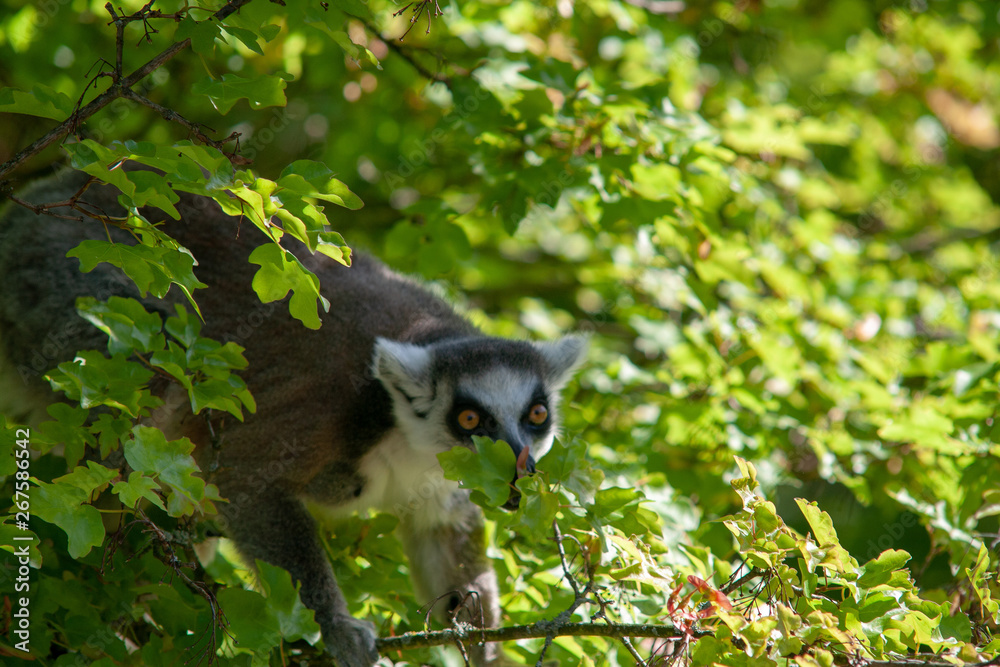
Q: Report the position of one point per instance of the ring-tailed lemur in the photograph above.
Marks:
(350, 416)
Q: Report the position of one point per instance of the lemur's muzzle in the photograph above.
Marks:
(525, 466)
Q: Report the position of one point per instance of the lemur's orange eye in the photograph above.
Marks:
(468, 419)
(538, 414)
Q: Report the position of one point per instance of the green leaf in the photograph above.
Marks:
(281, 272)
(42, 101)
(819, 522)
(217, 394)
(307, 223)
(202, 34)
(110, 430)
(170, 463)
(295, 620)
(788, 626)
(510, 204)
(307, 178)
(242, 26)
(538, 506)
(924, 426)
(63, 507)
(253, 625)
(90, 479)
(204, 368)
(490, 470)
(63, 503)
(182, 327)
(764, 133)
(353, 51)
(68, 429)
(137, 487)
(127, 323)
(10, 435)
(93, 379)
(880, 570)
(152, 189)
(260, 92)
(11, 534)
(746, 484)
(173, 360)
(196, 158)
(656, 181)
(766, 517)
(100, 161)
(333, 245)
(152, 269)
(829, 552)
(609, 502)
(568, 465)
(439, 242)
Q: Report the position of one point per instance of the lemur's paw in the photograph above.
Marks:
(350, 641)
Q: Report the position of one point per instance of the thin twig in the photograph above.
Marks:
(162, 544)
(562, 558)
(40, 208)
(120, 24)
(195, 128)
(404, 54)
(73, 204)
(753, 573)
(631, 649)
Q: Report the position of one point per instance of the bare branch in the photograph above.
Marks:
(405, 55)
(534, 631)
(162, 544)
(118, 87)
(73, 204)
(195, 128)
(40, 208)
(579, 597)
(631, 649)
(734, 583)
(562, 559)
(431, 7)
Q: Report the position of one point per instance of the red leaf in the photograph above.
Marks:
(716, 596)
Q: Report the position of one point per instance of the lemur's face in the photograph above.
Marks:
(506, 390)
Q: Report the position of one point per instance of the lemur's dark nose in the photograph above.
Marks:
(524, 466)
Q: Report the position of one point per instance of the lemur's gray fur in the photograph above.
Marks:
(350, 416)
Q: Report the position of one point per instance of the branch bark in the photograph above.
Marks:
(538, 630)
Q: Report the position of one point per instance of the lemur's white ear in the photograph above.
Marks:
(563, 356)
(405, 368)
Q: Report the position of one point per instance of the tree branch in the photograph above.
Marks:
(538, 630)
(119, 88)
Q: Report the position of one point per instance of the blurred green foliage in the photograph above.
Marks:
(779, 219)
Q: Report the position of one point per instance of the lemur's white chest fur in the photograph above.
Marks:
(405, 481)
